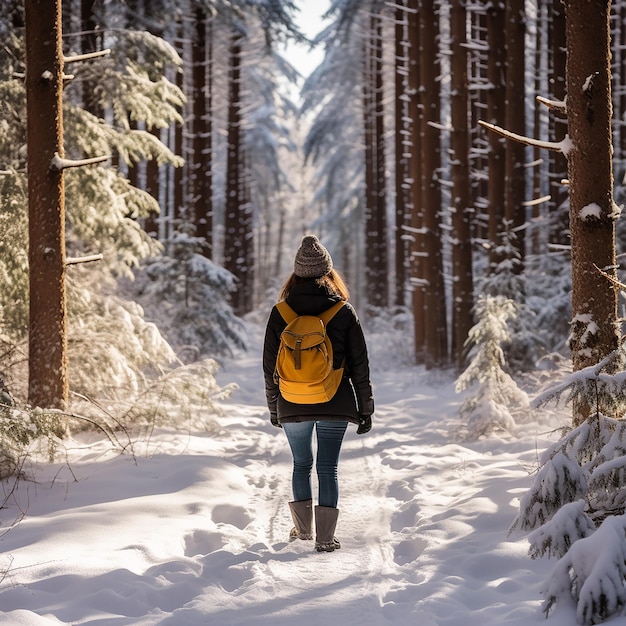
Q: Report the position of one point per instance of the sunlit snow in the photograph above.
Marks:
(194, 529)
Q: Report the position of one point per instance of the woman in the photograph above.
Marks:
(313, 287)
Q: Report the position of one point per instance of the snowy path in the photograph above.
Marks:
(196, 532)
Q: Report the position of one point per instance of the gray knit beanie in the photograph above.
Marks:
(312, 259)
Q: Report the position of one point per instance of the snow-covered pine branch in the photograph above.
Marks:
(560, 481)
(592, 573)
(558, 534)
(602, 385)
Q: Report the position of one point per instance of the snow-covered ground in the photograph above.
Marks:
(193, 531)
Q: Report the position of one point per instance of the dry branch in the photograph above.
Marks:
(560, 146)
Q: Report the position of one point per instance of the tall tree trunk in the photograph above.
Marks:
(435, 299)
(558, 165)
(540, 186)
(201, 167)
(479, 155)
(48, 384)
(495, 114)
(371, 178)
(376, 258)
(238, 242)
(619, 85)
(415, 175)
(515, 120)
(402, 146)
(178, 198)
(595, 330)
(463, 282)
(380, 282)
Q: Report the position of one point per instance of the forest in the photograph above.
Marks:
(464, 162)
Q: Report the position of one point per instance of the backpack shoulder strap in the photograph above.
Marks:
(328, 314)
(287, 313)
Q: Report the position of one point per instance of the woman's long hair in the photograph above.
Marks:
(332, 283)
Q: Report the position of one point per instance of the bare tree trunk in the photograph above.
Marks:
(376, 257)
(540, 187)
(619, 95)
(558, 165)
(402, 146)
(201, 178)
(238, 244)
(178, 173)
(495, 114)
(515, 121)
(435, 300)
(415, 175)
(595, 330)
(48, 384)
(371, 178)
(380, 282)
(463, 282)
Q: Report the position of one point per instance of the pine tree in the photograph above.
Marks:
(494, 397)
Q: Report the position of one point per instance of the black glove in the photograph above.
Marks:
(365, 424)
(274, 420)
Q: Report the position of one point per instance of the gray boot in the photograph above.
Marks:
(302, 515)
(325, 524)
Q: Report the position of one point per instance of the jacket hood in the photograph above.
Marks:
(310, 299)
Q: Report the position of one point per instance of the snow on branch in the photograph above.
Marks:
(87, 56)
(556, 146)
(592, 574)
(555, 105)
(83, 259)
(59, 163)
(569, 524)
(537, 201)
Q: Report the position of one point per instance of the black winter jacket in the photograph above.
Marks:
(354, 396)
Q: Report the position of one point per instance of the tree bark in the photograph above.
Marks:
(380, 252)
(595, 330)
(201, 176)
(515, 121)
(402, 183)
(48, 384)
(495, 113)
(415, 176)
(463, 282)
(376, 266)
(435, 300)
(238, 241)
(558, 125)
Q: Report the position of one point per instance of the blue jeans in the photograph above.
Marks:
(329, 437)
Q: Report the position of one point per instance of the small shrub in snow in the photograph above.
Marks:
(189, 297)
(506, 279)
(23, 431)
(494, 397)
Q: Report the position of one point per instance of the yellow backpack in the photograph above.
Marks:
(304, 364)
